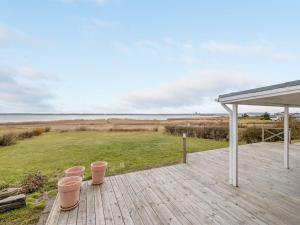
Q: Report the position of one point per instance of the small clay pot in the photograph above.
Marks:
(75, 171)
(98, 171)
(69, 190)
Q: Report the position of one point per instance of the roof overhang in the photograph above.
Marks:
(275, 95)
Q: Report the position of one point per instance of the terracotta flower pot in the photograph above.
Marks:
(69, 190)
(98, 171)
(75, 171)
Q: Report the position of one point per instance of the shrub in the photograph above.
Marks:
(120, 129)
(63, 131)
(248, 134)
(295, 128)
(209, 132)
(81, 128)
(34, 132)
(266, 116)
(245, 115)
(33, 182)
(47, 129)
(251, 135)
(11, 138)
(25, 134)
(8, 139)
(37, 131)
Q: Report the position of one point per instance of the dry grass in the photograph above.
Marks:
(12, 137)
(110, 124)
(130, 125)
(33, 182)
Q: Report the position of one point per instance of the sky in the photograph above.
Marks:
(130, 56)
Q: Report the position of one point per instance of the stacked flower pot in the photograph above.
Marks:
(69, 186)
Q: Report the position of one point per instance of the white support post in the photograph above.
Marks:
(235, 145)
(286, 137)
(230, 141)
(230, 148)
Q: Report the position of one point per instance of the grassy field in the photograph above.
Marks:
(53, 152)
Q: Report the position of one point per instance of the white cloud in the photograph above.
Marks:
(9, 35)
(168, 40)
(96, 2)
(169, 50)
(101, 23)
(233, 48)
(121, 47)
(190, 53)
(285, 56)
(187, 58)
(149, 45)
(188, 90)
(30, 72)
(165, 44)
(93, 25)
(263, 49)
(195, 92)
(26, 72)
(100, 2)
(20, 91)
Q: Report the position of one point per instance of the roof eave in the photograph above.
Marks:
(243, 98)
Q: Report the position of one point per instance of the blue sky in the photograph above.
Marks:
(101, 56)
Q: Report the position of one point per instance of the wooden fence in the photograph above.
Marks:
(268, 133)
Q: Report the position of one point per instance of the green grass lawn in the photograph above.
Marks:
(53, 152)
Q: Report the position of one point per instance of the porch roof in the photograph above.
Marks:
(285, 94)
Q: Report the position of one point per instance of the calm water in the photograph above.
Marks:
(5, 118)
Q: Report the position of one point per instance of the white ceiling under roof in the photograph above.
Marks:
(275, 95)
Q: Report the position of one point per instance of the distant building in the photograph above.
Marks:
(296, 116)
(279, 116)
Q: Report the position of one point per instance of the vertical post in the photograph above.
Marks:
(230, 141)
(235, 145)
(286, 137)
(184, 147)
(230, 148)
(263, 134)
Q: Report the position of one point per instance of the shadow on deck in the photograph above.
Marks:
(196, 193)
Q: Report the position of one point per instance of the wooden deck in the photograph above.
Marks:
(196, 193)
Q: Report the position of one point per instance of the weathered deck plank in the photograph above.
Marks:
(108, 215)
(81, 216)
(163, 200)
(98, 206)
(156, 204)
(90, 210)
(117, 215)
(196, 193)
(148, 214)
(133, 211)
(54, 214)
(121, 203)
